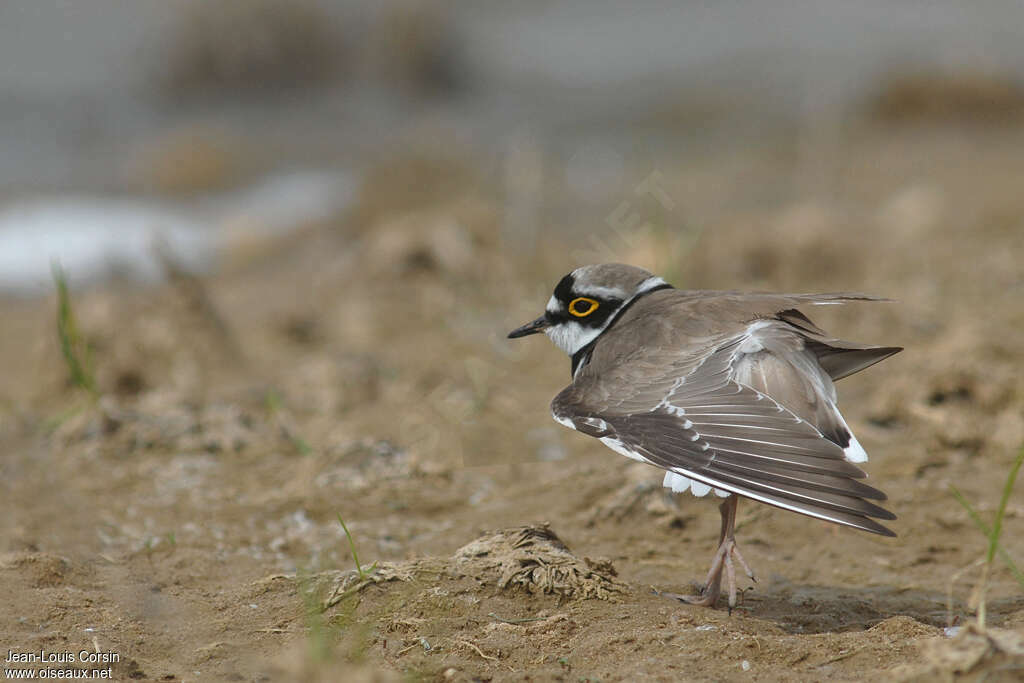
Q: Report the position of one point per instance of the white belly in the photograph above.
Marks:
(678, 483)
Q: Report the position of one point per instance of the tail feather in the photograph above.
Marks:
(797, 367)
(841, 359)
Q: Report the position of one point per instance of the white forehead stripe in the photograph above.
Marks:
(602, 292)
(650, 283)
(617, 293)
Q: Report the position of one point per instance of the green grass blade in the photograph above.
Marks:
(275, 406)
(997, 526)
(74, 350)
(318, 643)
(352, 547)
(984, 529)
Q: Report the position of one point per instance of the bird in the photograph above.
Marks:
(729, 392)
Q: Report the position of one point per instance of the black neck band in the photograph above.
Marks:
(582, 357)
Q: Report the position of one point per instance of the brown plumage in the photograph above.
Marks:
(743, 406)
(733, 391)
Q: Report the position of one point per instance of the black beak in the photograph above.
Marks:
(533, 327)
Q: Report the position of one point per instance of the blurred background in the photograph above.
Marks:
(295, 233)
(216, 124)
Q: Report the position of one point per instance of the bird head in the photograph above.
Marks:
(586, 301)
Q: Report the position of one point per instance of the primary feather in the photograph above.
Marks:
(735, 392)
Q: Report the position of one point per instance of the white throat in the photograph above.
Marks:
(570, 336)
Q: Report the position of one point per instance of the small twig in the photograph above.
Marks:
(421, 641)
(476, 649)
(340, 597)
(799, 659)
(845, 655)
(515, 621)
(949, 587)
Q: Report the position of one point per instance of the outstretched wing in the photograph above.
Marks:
(693, 416)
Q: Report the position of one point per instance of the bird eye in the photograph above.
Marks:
(582, 306)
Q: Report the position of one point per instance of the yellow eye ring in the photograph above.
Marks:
(582, 306)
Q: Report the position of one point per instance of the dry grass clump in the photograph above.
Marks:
(964, 96)
(190, 160)
(528, 558)
(406, 183)
(413, 46)
(252, 45)
(259, 45)
(805, 242)
(425, 213)
(533, 559)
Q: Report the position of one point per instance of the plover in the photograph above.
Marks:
(729, 392)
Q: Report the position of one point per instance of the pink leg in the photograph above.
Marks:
(723, 559)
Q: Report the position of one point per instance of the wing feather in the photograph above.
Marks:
(691, 416)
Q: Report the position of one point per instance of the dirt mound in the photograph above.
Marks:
(534, 559)
(974, 654)
(529, 558)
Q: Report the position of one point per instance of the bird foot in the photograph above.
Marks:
(702, 599)
(723, 562)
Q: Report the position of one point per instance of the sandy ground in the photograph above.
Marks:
(187, 520)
